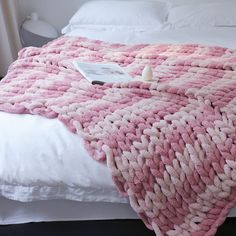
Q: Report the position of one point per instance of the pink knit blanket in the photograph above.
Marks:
(170, 145)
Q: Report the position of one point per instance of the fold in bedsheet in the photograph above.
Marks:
(170, 145)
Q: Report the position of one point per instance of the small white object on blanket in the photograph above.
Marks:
(147, 74)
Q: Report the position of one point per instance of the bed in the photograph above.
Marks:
(48, 187)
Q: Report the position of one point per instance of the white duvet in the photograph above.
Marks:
(219, 36)
(41, 159)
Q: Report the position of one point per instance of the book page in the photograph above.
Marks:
(105, 72)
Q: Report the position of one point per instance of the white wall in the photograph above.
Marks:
(55, 12)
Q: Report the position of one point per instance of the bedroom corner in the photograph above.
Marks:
(9, 37)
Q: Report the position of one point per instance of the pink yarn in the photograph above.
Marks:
(170, 145)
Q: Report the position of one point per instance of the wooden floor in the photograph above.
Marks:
(95, 228)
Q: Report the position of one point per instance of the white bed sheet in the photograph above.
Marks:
(14, 212)
(215, 36)
(41, 160)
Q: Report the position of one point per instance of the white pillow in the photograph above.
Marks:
(185, 2)
(135, 14)
(203, 15)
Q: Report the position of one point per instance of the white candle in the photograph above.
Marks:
(147, 73)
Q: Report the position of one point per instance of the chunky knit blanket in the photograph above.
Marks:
(170, 145)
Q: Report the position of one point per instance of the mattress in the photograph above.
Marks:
(44, 170)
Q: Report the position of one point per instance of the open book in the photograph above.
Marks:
(102, 72)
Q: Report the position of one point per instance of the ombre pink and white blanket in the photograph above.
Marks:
(170, 145)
